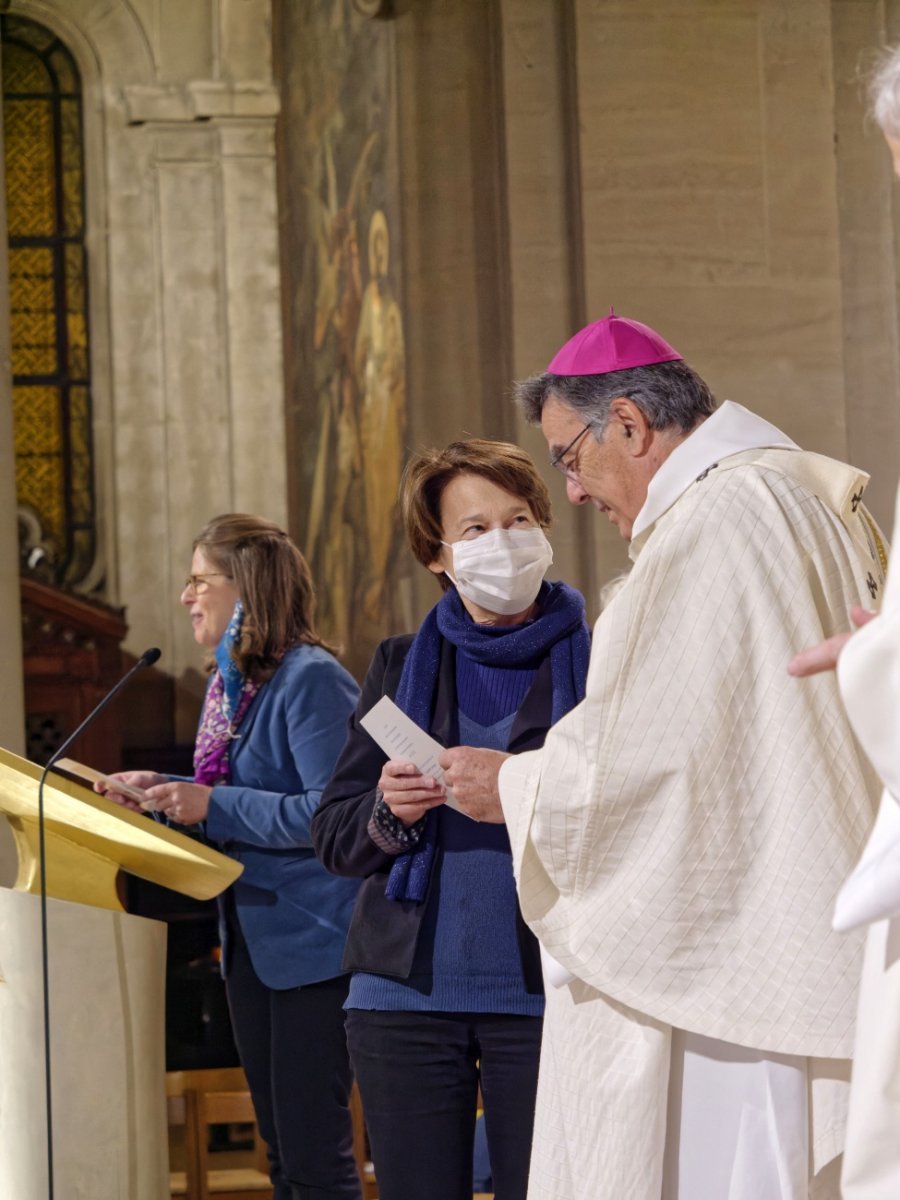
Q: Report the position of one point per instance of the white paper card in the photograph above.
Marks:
(91, 775)
(400, 737)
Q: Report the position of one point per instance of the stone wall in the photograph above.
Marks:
(703, 165)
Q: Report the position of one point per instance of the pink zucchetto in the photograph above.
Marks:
(613, 344)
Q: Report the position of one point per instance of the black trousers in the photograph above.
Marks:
(418, 1075)
(293, 1048)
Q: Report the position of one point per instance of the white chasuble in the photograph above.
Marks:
(679, 841)
(869, 674)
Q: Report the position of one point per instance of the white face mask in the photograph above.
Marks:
(501, 571)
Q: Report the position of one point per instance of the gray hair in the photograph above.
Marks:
(884, 92)
(669, 394)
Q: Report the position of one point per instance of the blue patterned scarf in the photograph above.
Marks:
(559, 630)
(227, 699)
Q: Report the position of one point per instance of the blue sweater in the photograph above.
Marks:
(467, 957)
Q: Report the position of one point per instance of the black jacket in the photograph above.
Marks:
(383, 933)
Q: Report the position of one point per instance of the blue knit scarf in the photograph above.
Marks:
(559, 630)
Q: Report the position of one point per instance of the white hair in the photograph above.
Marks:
(884, 92)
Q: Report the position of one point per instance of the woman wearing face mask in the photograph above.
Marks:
(446, 990)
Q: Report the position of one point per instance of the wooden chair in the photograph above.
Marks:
(360, 1147)
(196, 1100)
(176, 1111)
(226, 1183)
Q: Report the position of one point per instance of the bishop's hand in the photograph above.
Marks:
(472, 775)
(824, 657)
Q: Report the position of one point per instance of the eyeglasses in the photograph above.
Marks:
(569, 469)
(198, 584)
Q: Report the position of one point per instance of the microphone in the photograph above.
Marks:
(147, 659)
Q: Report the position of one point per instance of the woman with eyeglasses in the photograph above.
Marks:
(447, 985)
(273, 722)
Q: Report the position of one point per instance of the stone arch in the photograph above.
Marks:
(102, 37)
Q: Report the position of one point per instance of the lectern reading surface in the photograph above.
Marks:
(88, 839)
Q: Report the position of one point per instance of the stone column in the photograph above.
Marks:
(200, 407)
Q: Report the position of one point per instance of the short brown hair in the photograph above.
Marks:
(275, 586)
(428, 473)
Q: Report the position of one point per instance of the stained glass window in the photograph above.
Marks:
(42, 121)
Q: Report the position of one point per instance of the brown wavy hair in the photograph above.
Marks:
(274, 583)
(428, 473)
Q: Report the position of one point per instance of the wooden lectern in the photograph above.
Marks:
(107, 992)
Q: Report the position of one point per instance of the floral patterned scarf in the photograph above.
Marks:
(228, 697)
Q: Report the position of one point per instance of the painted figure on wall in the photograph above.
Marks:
(348, 413)
(381, 379)
(331, 540)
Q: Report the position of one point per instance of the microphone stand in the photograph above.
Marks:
(147, 659)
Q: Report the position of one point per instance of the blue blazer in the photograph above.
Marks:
(293, 914)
